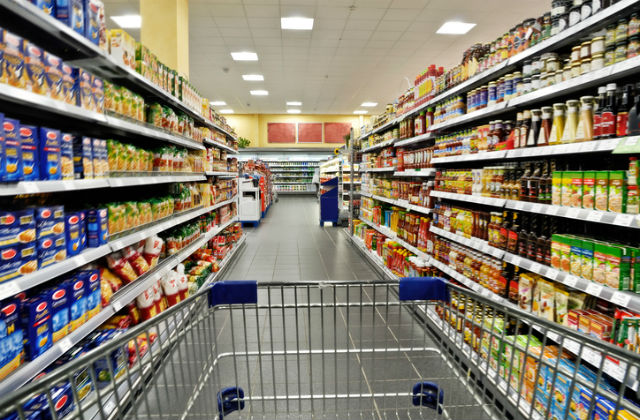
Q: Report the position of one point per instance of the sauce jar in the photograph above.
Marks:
(559, 76)
(634, 25)
(620, 52)
(527, 69)
(552, 64)
(597, 45)
(609, 56)
(633, 48)
(544, 79)
(585, 50)
(492, 93)
(575, 69)
(610, 36)
(575, 54)
(585, 66)
(535, 82)
(622, 30)
(527, 84)
(597, 61)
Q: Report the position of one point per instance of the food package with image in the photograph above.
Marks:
(121, 267)
(12, 151)
(35, 315)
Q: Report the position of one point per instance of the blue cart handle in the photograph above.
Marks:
(233, 292)
(424, 288)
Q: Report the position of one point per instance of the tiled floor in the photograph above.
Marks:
(290, 245)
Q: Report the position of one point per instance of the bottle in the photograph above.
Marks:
(514, 285)
(503, 230)
(541, 242)
(544, 190)
(584, 131)
(571, 122)
(516, 131)
(532, 240)
(524, 128)
(524, 183)
(534, 183)
(512, 234)
(633, 126)
(546, 121)
(523, 236)
(420, 126)
(608, 115)
(597, 112)
(534, 131)
(557, 129)
(622, 118)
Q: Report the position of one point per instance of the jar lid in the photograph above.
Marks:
(576, 48)
(585, 43)
(598, 38)
(597, 55)
(586, 98)
(577, 63)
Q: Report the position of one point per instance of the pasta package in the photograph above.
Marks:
(121, 267)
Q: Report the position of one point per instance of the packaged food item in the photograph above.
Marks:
(3, 168)
(586, 268)
(561, 306)
(14, 60)
(59, 312)
(526, 289)
(17, 260)
(82, 158)
(35, 314)
(29, 144)
(115, 283)
(97, 90)
(92, 294)
(77, 302)
(34, 68)
(152, 249)
(51, 249)
(49, 221)
(121, 267)
(47, 6)
(97, 227)
(171, 288)
(92, 20)
(617, 191)
(50, 154)
(110, 368)
(66, 156)
(146, 304)
(52, 74)
(11, 341)
(69, 84)
(71, 12)
(588, 189)
(96, 154)
(73, 234)
(13, 151)
(602, 191)
(104, 158)
(136, 260)
(85, 99)
(575, 255)
(18, 226)
(556, 188)
(575, 194)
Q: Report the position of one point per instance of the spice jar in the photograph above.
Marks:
(597, 61)
(585, 66)
(610, 36)
(620, 52)
(633, 48)
(597, 45)
(609, 56)
(622, 30)
(584, 131)
(585, 50)
(557, 129)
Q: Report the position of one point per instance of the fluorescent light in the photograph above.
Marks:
(293, 111)
(360, 112)
(218, 103)
(128, 21)
(244, 56)
(259, 92)
(253, 77)
(369, 104)
(455, 28)
(226, 111)
(294, 103)
(296, 23)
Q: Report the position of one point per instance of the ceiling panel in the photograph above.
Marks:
(358, 50)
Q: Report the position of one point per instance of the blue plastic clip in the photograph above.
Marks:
(424, 288)
(229, 400)
(428, 394)
(233, 292)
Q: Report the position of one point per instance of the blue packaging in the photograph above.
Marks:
(50, 154)
(63, 404)
(81, 379)
(77, 303)
(66, 155)
(69, 85)
(97, 89)
(82, 158)
(49, 221)
(13, 151)
(34, 68)
(76, 21)
(9, 317)
(92, 20)
(17, 260)
(29, 144)
(51, 249)
(11, 337)
(47, 6)
(72, 233)
(2, 137)
(98, 227)
(83, 228)
(36, 321)
(59, 312)
(115, 362)
(17, 226)
(85, 97)
(53, 75)
(92, 292)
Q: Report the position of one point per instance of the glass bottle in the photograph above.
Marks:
(534, 131)
(597, 112)
(557, 129)
(523, 236)
(503, 230)
(534, 183)
(633, 126)
(532, 240)
(546, 121)
(524, 183)
(623, 110)
(584, 132)
(524, 128)
(541, 242)
(516, 131)
(512, 234)
(571, 122)
(608, 114)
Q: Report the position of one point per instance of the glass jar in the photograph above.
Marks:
(575, 69)
(544, 77)
(610, 36)
(552, 64)
(634, 25)
(571, 121)
(527, 84)
(585, 66)
(633, 48)
(597, 61)
(622, 29)
(566, 73)
(609, 56)
(559, 76)
(575, 54)
(535, 82)
(527, 69)
(620, 52)
(585, 50)
(597, 45)
(493, 96)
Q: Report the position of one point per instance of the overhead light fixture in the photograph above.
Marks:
(226, 111)
(293, 111)
(259, 92)
(244, 56)
(296, 23)
(217, 103)
(369, 104)
(360, 112)
(128, 21)
(253, 77)
(294, 103)
(455, 28)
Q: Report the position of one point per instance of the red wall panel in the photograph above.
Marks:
(309, 132)
(335, 132)
(281, 132)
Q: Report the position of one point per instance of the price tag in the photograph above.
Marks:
(565, 148)
(536, 208)
(519, 205)
(573, 212)
(552, 210)
(109, 407)
(624, 219)
(515, 260)
(535, 267)
(117, 305)
(631, 141)
(594, 289)
(516, 153)
(590, 356)
(9, 288)
(571, 281)
(588, 146)
(620, 298)
(30, 187)
(65, 344)
(552, 273)
(594, 216)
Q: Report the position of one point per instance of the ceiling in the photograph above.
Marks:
(358, 50)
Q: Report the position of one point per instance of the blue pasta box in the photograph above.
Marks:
(53, 75)
(59, 312)
(71, 13)
(11, 353)
(9, 317)
(77, 302)
(82, 158)
(36, 321)
(92, 292)
(49, 221)
(83, 228)
(85, 96)
(62, 398)
(17, 260)
(29, 144)
(98, 227)
(51, 249)
(66, 155)
(17, 226)
(92, 20)
(47, 6)
(3, 73)
(69, 84)
(2, 137)
(97, 89)
(115, 362)
(34, 68)
(50, 154)
(81, 378)
(73, 234)
(13, 151)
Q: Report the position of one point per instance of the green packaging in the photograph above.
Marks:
(588, 189)
(586, 269)
(602, 191)
(556, 188)
(617, 191)
(575, 249)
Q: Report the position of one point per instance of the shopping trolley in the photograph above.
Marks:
(408, 350)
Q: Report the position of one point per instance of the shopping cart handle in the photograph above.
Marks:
(233, 292)
(423, 288)
(229, 400)
(428, 394)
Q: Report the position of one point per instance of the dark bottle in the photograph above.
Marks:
(608, 114)
(534, 183)
(525, 126)
(512, 234)
(515, 182)
(514, 286)
(534, 131)
(503, 230)
(532, 240)
(503, 281)
(633, 127)
(541, 243)
(622, 118)
(597, 112)
(523, 236)
(524, 183)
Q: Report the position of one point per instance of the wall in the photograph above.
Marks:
(254, 127)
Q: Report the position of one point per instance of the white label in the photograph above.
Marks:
(535, 267)
(588, 146)
(552, 273)
(109, 407)
(552, 210)
(624, 219)
(536, 208)
(571, 281)
(117, 305)
(631, 141)
(620, 298)
(573, 212)
(9, 288)
(516, 260)
(591, 356)
(594, 216)
(594, 289)
(519, 205)
(30, 187)
(65, 344)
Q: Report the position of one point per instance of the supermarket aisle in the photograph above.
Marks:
(289, 245)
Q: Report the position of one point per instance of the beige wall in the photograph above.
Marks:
(254, 126)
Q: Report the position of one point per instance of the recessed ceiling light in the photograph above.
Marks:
(296, 23)
(455, 28)
(226, 111)
(360, 111)
(293, 111)
(369, 104)
(218, 103)
(128, 21)
(259, 92)
(294, 103)
(253, 77)
(244, 56)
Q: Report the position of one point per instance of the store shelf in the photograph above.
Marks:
(425, 172)
(470, 157)
(566, 149)
(375, 259)
(225, 147)
(297, 192)
(127, 181)
(291, 183)
(496, 202)
(120, 125)
(381, 145)
(389, 169)
(292, 166)
(222, 174)
(119, 301)
(472, 242)
(380, 128)
(415, 140)
(399, 203)
(471, 116)
(299, 170)
(392, 235)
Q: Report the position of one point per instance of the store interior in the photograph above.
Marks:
(319, 209)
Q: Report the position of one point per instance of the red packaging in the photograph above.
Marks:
(171, 289)
(121, 267)
(146, 304)
(136, 260)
